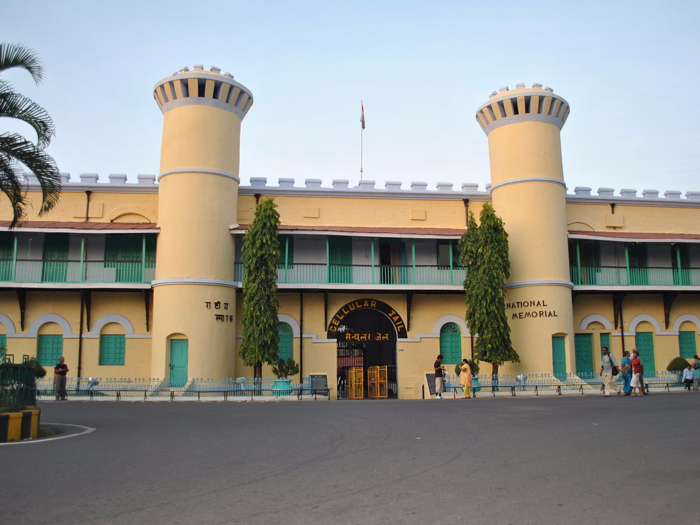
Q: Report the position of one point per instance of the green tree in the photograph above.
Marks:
(16, 152)
(260, 256)
(483, 249)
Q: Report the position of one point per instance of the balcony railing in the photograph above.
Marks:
(23, 271)
(308, 273)
(616, 276)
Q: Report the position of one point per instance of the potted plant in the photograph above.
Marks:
(282, 370)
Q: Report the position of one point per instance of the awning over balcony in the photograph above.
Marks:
(406, 233)
(635, 237)
(82, 227)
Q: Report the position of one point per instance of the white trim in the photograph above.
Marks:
(595, 318)
(235, 231)
(528, 179)
(111, 318)
(86, 231)
(641, 318)
(625, 288)
(193, 281)
(202, 101)
(540, 282)
(9, 325)
(525, 117)
(686, 318)
(296, 329)
(459, 321)
(629, 239)
(50, 318)
(220, 173)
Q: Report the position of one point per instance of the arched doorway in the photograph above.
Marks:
(366, 331)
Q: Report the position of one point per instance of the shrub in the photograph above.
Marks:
(677, 364)
(284, 369)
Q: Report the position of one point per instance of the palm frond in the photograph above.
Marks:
(17, 55)
(17, 106)
(14, 147)
(11, 186)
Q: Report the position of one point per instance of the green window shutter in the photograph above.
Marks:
(451, 344)
(286, 243)
(7, 248)
(604, 342)
(686, 342)
(3, 348)
(112, 349)
(55, 266)
(124, 252)
(286, 346)
(151, 250)
(50, 349)
(340, 257)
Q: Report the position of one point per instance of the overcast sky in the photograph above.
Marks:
(628, 70)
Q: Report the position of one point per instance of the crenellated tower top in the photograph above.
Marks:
(210, 88)
(522, 104)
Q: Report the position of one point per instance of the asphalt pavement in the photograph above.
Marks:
(568, 459)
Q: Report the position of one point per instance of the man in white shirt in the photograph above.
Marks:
(607, 372)
(688, 377)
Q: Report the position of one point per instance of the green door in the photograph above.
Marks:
(644, 341)
(686, 343)
(178, 362)
(451, 344)
(558, 356)
(340, 259)
(50, 350)
(55, 266)
(583, 344)
(286, 346)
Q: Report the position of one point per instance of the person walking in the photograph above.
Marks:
(636, 373)
(60, 372)
(696, 379)
(606, 370)
(439, 377)
(688, 377)
(465, 378)
(626, 373)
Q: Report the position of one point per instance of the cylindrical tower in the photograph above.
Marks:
(194, 295)
(528, 192)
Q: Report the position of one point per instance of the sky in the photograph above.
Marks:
(421, 68)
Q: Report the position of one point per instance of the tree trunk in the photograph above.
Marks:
(257, 378)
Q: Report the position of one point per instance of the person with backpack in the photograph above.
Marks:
(609, 369)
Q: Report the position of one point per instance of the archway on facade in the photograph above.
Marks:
(366, 331)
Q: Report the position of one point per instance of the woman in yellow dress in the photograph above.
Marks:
(465, 378)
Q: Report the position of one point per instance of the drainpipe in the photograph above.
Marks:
(87, 205)
(80, 337)
(301, 337)
(466, 211)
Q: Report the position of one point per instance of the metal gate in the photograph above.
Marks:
(367, 339)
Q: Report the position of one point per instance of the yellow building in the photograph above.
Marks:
(134, 280)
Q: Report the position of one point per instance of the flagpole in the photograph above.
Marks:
(362, 136)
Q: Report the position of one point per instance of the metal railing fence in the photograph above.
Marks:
(484, 384)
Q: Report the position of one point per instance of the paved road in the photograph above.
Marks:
(525, 460)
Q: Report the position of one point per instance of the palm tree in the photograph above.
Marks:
(16, 152)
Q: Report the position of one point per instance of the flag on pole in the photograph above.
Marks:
(362, 115)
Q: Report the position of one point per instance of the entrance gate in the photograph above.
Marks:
(366, 335)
